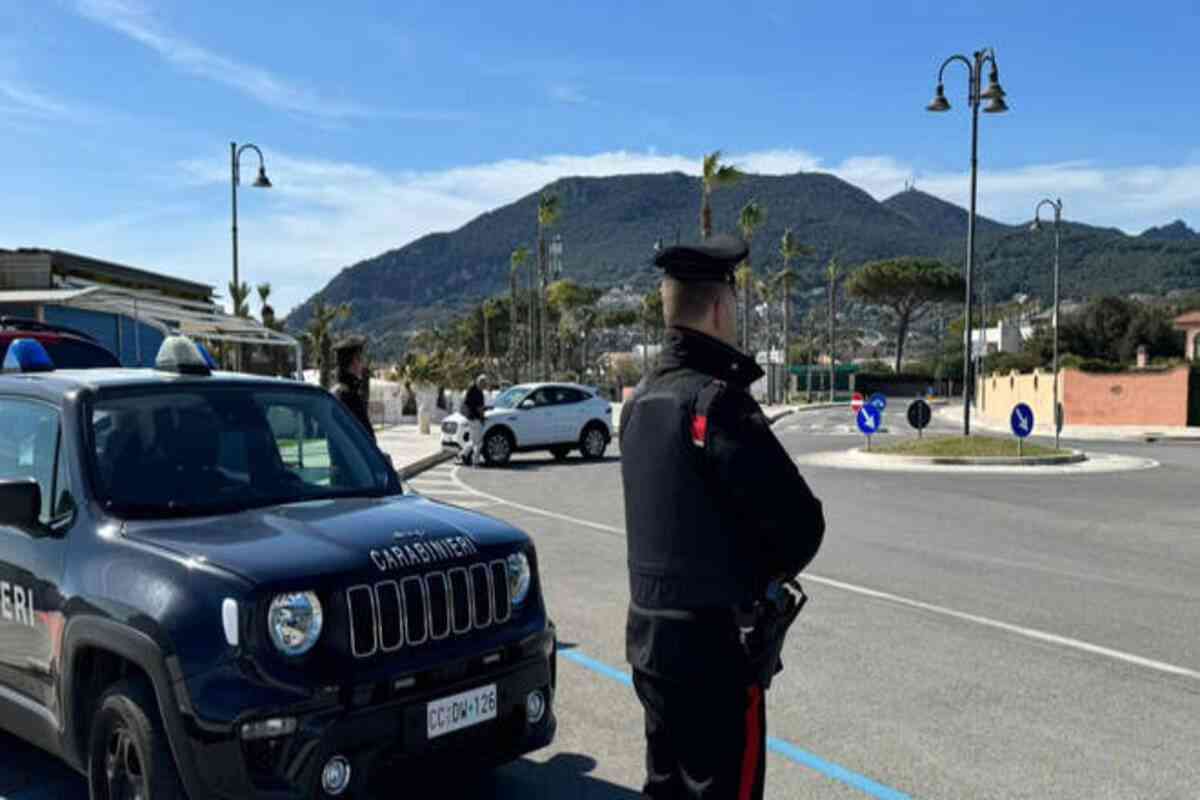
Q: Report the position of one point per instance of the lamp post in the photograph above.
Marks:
(235, 157)
(556, 251)
(1057, 205)
(995, 95)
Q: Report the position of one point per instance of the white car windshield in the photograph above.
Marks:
(511, 398)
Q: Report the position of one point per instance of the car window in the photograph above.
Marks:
(510, 398)
(204, 450)
(541, 398)
(572, 396)
(64, 497)
(28, 446)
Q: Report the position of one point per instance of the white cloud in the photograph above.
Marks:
(322, 216)
(19, 99)
(130, 18)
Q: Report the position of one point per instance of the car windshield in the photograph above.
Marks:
(511, 398)
(200, 450)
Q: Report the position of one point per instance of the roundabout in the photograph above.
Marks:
(1073, 462)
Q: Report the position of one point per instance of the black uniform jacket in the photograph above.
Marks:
(349, 391)
(473, 403)
(714, 506)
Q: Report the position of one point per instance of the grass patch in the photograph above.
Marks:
(963, 447)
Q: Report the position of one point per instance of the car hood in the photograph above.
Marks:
(487, 415)
(333, 537)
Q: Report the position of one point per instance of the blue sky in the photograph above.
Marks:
(382, 121)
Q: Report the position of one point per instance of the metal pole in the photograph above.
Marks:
(233, 181)
(968, 384)
(1057, 221)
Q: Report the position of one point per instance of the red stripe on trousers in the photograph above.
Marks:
(699, 430)
(751, 754)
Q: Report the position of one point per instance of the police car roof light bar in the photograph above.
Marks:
(180, 355)
(27, 355)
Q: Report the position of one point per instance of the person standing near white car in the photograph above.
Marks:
(472, 408)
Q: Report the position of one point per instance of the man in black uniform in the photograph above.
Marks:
(350, 387)
(715, 512)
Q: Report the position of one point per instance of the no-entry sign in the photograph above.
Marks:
(856, 402)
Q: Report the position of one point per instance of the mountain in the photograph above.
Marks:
(609, 227)
(1177, 231)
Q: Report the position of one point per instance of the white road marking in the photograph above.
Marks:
(1019, 630)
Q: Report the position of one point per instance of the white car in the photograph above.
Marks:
(559, 417)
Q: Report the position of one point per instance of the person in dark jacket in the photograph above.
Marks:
(473, 409)
(715, 511)
(350, 388)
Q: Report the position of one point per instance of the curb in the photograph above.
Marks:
(1074, 457)
(410, 471)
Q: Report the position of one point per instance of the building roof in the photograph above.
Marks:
(1190, 318)
(72, 264)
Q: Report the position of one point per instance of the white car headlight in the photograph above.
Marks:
(294, 621)
(519, 578)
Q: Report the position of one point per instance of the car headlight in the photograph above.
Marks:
(294, 621)
(520, 578)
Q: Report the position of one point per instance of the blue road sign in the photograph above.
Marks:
(879, 400)
(1021, 420)
(870, 419)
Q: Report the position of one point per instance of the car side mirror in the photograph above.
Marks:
(21, 505)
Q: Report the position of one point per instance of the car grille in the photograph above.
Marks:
(412, 611)
(450, 427)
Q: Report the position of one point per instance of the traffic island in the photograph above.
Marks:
(974, 455)
(977, 451)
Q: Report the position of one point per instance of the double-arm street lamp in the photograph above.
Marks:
(1057, 205)
(235, 157)
(995, 95)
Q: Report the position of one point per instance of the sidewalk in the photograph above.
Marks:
(407, 445)
(1096, 433)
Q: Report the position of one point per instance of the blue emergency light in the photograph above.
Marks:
(27, 355)
(208, 359)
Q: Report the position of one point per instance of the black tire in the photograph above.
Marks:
(593, 442)
(561, 453)
(498, 447)
(128, 748)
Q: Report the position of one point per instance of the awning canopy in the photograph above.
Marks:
(169, 315)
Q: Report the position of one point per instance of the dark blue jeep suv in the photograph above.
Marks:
(213, 585)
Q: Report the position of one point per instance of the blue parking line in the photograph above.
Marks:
(777, 746)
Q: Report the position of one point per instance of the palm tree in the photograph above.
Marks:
(714, 175)
(320, 335)
(548, 212)
(516, 261)
(489, 311)
(752, 217)
(789, 248)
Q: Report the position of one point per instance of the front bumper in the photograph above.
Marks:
(382, 741)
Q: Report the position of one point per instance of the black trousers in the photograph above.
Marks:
(704, 739)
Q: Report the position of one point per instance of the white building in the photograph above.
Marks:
(1006, 337)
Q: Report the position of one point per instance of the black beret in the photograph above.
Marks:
(715, 260)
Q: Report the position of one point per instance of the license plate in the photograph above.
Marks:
(461, 711)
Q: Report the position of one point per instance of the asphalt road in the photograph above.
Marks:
(982, 637)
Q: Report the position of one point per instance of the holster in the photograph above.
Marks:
(771, 618)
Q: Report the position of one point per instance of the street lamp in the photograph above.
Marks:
(996, 105)
(261, 182)
(556, 251)
(1057, 205)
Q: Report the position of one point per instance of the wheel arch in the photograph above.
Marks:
(96, 649)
